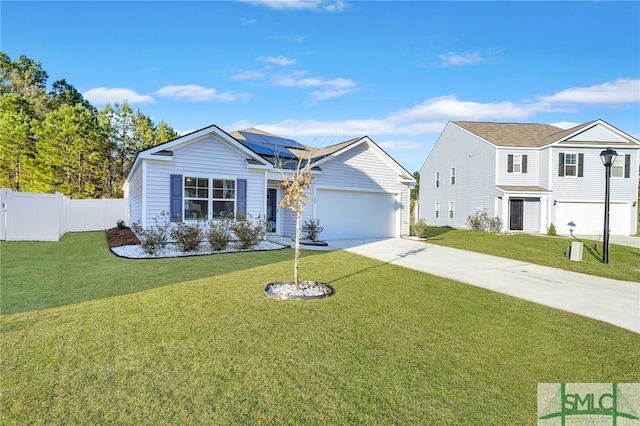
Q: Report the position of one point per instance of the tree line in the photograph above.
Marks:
(56, 141)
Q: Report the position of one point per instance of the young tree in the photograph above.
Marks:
(295, 184)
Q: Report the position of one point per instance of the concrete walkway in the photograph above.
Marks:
(615, 302)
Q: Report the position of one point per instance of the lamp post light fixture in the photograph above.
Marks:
(608, 156)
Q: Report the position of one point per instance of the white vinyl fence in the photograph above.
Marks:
(47, 217)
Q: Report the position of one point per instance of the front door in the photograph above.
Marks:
(272, 209)
(516, 215)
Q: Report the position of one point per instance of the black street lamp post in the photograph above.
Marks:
(608, 156)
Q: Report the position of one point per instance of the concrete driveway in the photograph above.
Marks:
(615, 302)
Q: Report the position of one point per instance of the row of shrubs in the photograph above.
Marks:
(247, 232)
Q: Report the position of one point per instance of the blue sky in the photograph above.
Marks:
(322, 72)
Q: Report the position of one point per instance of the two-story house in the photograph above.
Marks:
(531, 175)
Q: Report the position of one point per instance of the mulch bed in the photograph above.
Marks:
(117, 237)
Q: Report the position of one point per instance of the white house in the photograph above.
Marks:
(531, 175)
(358, 190)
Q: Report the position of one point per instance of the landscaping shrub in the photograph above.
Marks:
(552, 230)
(218, 232)
(249, 231)
(120, 224)
(480, 221)
(155, 237)
(495, 224)
(419, 228)
(187, 235)
(312, 228)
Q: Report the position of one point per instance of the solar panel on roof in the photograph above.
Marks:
(269, 145)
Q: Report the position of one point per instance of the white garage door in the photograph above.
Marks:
(354, 214)
(588, 218)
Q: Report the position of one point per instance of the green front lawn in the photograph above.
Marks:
(88, 338)
(624, 262)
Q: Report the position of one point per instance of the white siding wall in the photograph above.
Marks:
(134, 196)
(531, 178)
(475, 187)
(591, 187)
(361, 169)
(207, 157)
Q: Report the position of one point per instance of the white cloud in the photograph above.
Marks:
(105, 95)
(450, 108)
(195, 93)
(245, 21)
(248, 75)
(621, 91)
(315, 5)
(455, 59)
(278, 60)
(399, 145)
(330, 88)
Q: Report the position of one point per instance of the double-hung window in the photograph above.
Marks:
(570, 164)
(224, 196)
(516, 163)
(206, 198)
(453, 176)
(437, 210)
(196, 198)
(437, 179)
(451, 206)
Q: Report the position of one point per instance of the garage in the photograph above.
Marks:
(588, 218)
(356, 214)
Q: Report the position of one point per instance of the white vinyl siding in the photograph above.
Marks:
(207, 157)
(361, 169)
(475, 163)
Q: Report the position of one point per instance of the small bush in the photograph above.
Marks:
(155, 237)
(218, 233)
(312, 228)
(187, 235)
(480, 221)
(120, 224)
(419, 228)
(552, 230)
(248, 231)
(495, 224)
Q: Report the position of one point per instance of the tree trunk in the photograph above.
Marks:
(297, 251)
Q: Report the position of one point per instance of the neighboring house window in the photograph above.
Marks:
(453, 176)
(450, 209)
(203, 194)
(570, 164)
(516, 163)
(621, 166)
(437, 179)
(437, 210)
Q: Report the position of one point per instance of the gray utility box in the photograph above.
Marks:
(574, 251)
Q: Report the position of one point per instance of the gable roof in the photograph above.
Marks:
(531, 135)
(275, 148)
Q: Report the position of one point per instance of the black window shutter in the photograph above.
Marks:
(627, 166)
(561, 164)
(524, 164)
(242, 197)
(580, 165)
(175, 197)
(510, 163)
